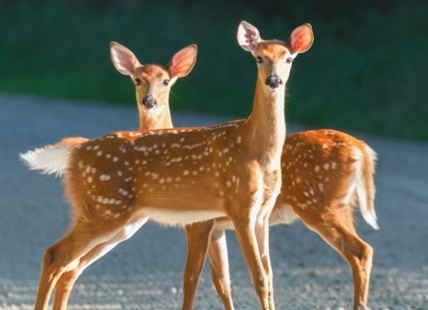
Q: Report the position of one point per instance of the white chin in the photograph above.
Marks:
(277, 90)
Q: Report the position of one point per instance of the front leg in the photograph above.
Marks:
(262, 234)
(245, 215)
(272, 190)
(198, 237)
(219, 262)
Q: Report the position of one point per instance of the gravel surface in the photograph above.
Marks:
(145, 272)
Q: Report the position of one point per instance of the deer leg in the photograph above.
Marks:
(247, 240)
(198, 236)
(338, 231)
(57, 259)
(262, 233)
(65, 255)
(65, 283)
(244, 223)
(219, 263)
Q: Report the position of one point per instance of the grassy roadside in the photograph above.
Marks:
(365, 72)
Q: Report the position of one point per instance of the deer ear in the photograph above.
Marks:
(123, 59)
(248, 36)
(301, 39)
(183, 61)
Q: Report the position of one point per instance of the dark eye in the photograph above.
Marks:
(259, 59)
(137, 81)
(165, 82)
(289, 60)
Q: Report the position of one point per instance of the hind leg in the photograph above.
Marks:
(57, 259)
(65, 283)
(337, 229)
(65, 255)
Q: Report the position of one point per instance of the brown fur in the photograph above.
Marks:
(116, 183)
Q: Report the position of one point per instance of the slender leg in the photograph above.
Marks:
(245, 233)
(198, 237)
(263, 242)
(338, 231)
(56, 259)
(66, 255)
(219, 263)
(65, 283)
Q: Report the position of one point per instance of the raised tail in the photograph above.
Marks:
(365, 186)
(52, 159)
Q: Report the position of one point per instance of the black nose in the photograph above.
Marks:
(273, 81)
(149, 101)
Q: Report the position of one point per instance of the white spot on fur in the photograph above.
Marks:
(105, 177)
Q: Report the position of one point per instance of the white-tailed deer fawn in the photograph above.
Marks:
(180, 176)
(319, 148)
(324, 174)
(153, 84)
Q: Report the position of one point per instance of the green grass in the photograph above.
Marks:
(366, 71)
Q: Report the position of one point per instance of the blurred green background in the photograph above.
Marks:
(366, 72)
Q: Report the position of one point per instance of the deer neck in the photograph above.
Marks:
(266, 123)
(157, 119)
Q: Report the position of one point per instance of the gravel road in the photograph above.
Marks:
(145, 272)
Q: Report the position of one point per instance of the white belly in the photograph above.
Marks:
(282, 214)
(172, 217)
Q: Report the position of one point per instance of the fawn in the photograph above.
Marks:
(153, 84)
(319, 148)
(324, 173)
(180, 176)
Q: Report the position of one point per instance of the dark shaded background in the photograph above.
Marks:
(366, 71)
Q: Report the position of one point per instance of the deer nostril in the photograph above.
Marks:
(149, 101)
(273, 81)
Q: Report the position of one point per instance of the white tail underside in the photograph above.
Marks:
(368, 215)
(52, 159)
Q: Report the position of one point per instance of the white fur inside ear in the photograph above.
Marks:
(124, 60)
(117, 61)
(115, 57)
(248, 36)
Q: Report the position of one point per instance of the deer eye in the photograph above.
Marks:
(259, 59)
(166, 82)
(289, 60)
(137, 81)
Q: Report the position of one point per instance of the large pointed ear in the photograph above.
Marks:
(183, 61)
(301, 39)
(123, 59)
(248, 36)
